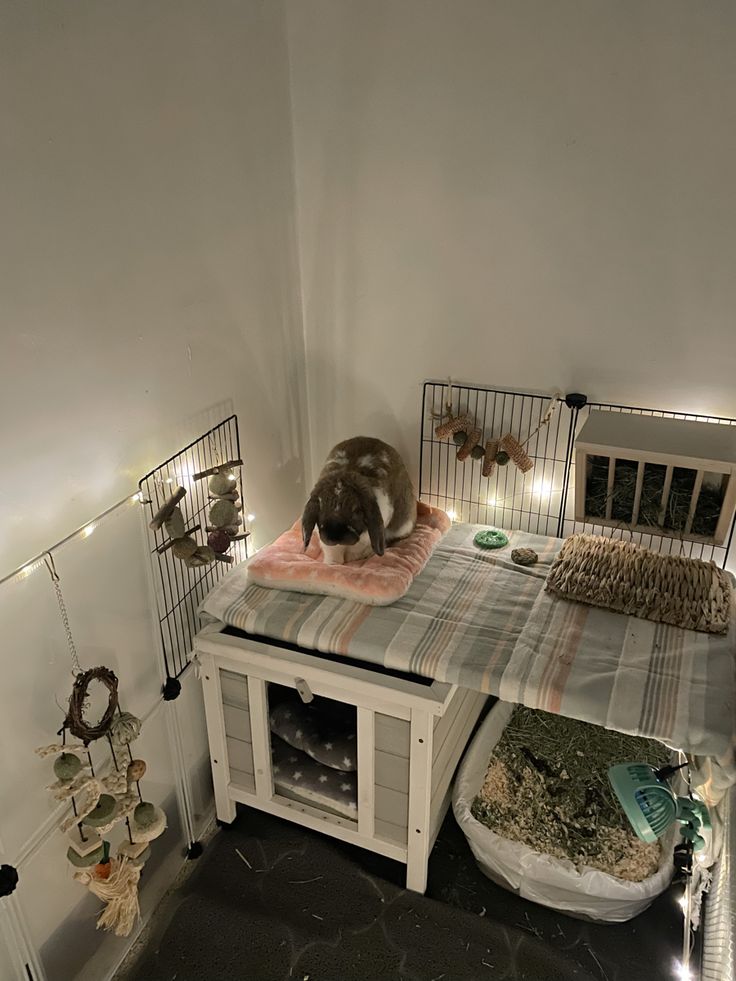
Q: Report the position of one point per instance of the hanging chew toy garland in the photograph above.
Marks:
(224, 519)
(101, 803)
(468, 437)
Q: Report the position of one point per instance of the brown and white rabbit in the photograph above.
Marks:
(362, 501)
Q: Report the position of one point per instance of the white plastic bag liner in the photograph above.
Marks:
(550, 881)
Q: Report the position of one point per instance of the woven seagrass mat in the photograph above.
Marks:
(628, 578)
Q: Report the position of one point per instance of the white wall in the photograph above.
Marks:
(514, 192)
(517, 192)
(149, 287)
(147, 253)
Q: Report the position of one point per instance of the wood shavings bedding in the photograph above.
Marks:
(546, 786)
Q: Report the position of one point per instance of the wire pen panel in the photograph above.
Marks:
(180, 589)
(542, 500)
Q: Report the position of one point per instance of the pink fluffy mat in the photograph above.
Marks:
(376, 581)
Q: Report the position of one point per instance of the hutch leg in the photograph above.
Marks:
(420, 796)
(216, 733)
(261, 735)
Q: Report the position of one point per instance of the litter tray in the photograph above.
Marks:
(588, 894)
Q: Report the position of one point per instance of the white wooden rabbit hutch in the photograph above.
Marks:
(411, 732)
(410, 736)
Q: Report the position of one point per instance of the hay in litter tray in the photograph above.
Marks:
(631, 579)
(547, 787)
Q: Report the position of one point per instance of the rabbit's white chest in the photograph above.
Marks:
(384, 506)
(340, 554)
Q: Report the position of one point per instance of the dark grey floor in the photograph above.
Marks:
(295, 904)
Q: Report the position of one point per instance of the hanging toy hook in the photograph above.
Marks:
(51, 566)
(447, 410)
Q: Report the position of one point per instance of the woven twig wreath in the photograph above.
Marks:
(75, 722)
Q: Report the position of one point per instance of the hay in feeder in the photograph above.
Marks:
(630, 579)
(547, 787)
(672, 515)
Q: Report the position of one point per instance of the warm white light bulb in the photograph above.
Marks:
(86, 532)
(683, 972)
(491, 502)
(251, 517)
(169, 480)
(682, 903)
(231, 476)
(137, 497)
(542, 488)
(452, 515)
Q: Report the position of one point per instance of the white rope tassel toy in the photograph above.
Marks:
(119, 891)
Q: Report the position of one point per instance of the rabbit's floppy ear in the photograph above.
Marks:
(309, 519)
(374, 522)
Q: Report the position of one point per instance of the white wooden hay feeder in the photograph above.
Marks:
(669, 477)
(410, 737)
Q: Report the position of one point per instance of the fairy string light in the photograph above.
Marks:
(30, 566)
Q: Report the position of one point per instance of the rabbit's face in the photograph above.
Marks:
(339, 531)
(344, 512)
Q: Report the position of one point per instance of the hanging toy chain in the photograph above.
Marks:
(496, 452)
(49, 560)
(546, 418)
(99, 805)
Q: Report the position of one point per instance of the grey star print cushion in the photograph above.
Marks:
(299, 776)
(323, 729)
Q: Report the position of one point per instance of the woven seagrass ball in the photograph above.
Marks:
(524, 556)
(502, 458)
(459, 438)
(125, 729)
(477, 453)
(67, 766)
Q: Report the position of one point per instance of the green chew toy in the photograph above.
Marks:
(491, 539)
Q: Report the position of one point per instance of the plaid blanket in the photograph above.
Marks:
(476, 619)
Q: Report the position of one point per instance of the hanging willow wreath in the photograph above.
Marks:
(75, 722)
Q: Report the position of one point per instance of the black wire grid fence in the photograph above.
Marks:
(179, 589)
(542, 500)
